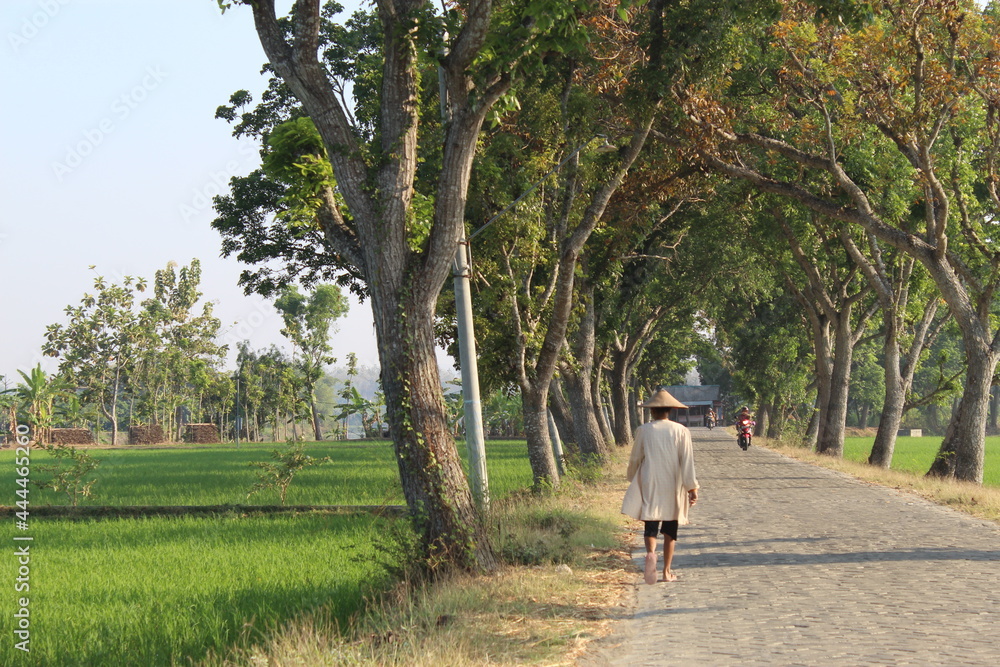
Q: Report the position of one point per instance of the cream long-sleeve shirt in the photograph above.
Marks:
(663, 456)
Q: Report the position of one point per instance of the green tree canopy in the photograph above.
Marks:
(308, 319)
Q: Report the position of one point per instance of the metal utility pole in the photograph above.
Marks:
(557, 448)
(474, 438)
(475, 441)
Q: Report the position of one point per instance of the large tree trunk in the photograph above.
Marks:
(763, 419)
(625, 353)
(776, 419)
(892, 404)
(828, 301)
(944, 463)
(831, 429)
(534, 382)
(824, 380)
(560, 410)
(962, 451)
(634, 411)
(586, 430)
(620, 401)
(893, 292)
(578, 379)
(536, 429)
(430, 470)
(607, 431)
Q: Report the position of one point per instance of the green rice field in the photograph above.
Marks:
(358, 474)
(170, 590)
(161, 590)
(916, 455)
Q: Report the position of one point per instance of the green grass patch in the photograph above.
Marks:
(358, 474)
(161, 591)
(915, 455)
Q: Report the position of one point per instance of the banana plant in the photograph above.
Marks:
(37, 394)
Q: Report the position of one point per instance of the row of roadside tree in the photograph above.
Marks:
(784, 182)
(805, 175)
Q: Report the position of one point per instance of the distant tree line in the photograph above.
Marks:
(128, 361)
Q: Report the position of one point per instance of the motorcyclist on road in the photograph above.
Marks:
(744, 428)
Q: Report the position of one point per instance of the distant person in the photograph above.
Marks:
(663, 459)
(744, 428)
(711, 418)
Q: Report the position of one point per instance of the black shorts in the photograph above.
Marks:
(665, 527)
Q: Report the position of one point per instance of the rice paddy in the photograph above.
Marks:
(172, 590)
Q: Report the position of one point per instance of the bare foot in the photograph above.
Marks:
(650, 569)
(668, 576)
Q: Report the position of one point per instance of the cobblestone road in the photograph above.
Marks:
(789, 564)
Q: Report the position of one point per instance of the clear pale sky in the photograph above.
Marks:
(111, 154)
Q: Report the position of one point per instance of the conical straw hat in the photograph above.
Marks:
(663, 399)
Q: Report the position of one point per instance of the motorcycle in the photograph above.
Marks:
(744, 432)
(710, 422)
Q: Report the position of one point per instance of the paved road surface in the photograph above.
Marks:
(789, 564)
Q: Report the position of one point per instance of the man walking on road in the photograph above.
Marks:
(663, 458)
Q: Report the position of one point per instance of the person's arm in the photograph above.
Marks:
(638, 454)
(686, 456)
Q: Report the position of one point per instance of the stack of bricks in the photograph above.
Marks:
(202, 433)
(70, 436)
(145, 435)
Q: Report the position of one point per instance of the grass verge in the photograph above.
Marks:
(974, 499)
(567, 575)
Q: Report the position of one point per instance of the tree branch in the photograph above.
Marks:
(298, 66)
(340, 237)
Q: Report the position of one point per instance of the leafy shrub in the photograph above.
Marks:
(69, 480)
(279, 475)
